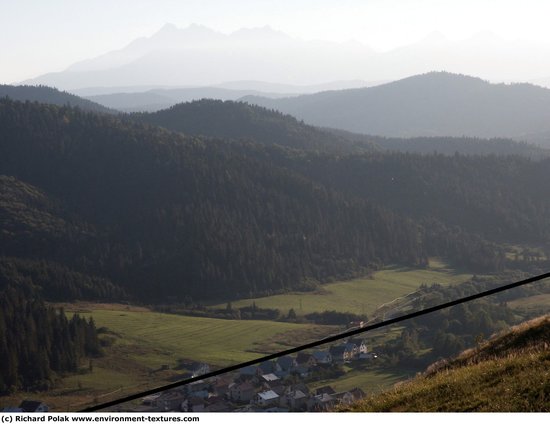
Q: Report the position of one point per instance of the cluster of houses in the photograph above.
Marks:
(272, 386)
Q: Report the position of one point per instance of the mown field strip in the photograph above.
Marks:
(359, 296)
(216, 341)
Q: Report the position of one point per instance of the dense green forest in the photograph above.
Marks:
(238, 120)
(139, 212)
(38, 342)
(167, 216)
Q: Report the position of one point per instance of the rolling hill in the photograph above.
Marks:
(432, 104)
(50, 95)
(161, 216)
(169, 217)
(238, 120)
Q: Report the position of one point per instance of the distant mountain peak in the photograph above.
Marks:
(262, 32)
(435, 37)
(168, 28)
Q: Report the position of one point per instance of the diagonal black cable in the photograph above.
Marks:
(310, 345)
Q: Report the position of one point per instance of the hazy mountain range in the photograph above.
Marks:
(199, 56)
(432, 104)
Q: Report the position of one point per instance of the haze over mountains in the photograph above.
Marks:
(432, 104)
(199, 56)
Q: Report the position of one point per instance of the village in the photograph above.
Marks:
(279, 385)
(299, 383)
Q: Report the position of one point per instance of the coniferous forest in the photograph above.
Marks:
(38, 342)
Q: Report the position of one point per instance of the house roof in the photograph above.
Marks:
(325, 397)
(324, 389)
(320, 354)
(297, 394)
(267, 367)
(268, 395)
(285, 362)
(338, 350)
(150, 398)
(350, 346)
(270, 377)
(244, 386)
(30, 406)
(248, 371)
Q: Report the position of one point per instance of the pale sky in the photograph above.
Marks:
(39, 36)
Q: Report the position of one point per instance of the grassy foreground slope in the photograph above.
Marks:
(508, 373)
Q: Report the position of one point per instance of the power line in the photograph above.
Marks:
(315, 343)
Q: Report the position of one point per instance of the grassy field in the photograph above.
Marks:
(215, 341)
(146, 341)
(360, 296)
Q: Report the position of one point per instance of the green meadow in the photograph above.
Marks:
(360, 296)
(156, 339)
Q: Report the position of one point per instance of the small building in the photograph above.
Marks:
(324, 402)
(29, 406)
(325, 389)
(242, 392)
(170, 401)
(361, 345)
(294, 400)
(341, 353)
(267, 398)
(194, 405)
(150, 399)
(267, 367)
(322, 357)
(287, 363)
(306, 359)
(271, 379)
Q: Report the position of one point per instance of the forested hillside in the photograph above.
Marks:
(432, 104)
(137, 211)
(168, 217)
(50, 95)
(501, 198)
(238, 120)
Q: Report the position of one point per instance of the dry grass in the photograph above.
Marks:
(511, 372)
